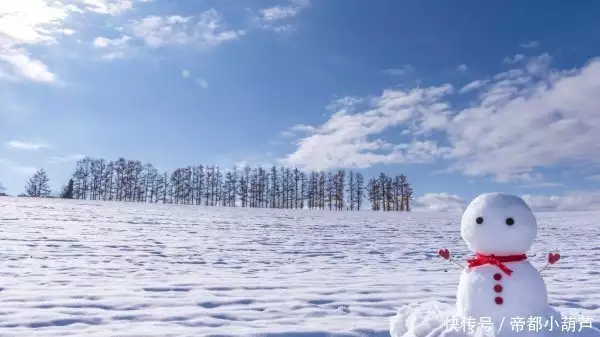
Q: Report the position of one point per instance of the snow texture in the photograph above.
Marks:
(73, 268)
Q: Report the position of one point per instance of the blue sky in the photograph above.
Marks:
(463, 97)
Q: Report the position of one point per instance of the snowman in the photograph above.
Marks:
(499, 283)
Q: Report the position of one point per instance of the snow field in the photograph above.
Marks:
(76, 268)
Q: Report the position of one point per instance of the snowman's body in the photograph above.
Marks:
(486, 291)
(500, 225)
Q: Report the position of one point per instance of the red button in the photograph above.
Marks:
(499, 300)
(497, 288)
(497, 277)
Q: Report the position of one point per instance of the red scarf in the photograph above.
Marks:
(498, 261)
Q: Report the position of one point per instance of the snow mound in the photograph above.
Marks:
(436, 319)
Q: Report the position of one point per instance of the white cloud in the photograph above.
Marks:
(570, 201)
(102, 42)
(66, 159)
(518, 122)
(462, 68)
(116, 48)
(539, 183)
(282, 29)
(15, 144)
(473, 85)
(530, 44)
(24, 66)
(349, 140)
(206, 30)
(402, 71)
(68, 32)
(110, 7)
(346, 103)
(574, 201)
(279, 12)
(287, 134)
(157, 30)
(114, 55)
(516, 59)
(301, 128)
(275, 18)
(522, 119)
(439, 202)
(185, 73)
(28, 23)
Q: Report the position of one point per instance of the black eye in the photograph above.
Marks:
(510, 221)
(479, 220)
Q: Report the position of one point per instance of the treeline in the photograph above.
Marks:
(276, 187)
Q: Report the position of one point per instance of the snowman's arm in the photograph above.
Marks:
(544, 267)
(457, 263)
(445, 254)
(552, 259)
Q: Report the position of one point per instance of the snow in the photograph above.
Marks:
(123, 269)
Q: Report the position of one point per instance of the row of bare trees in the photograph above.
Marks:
(275, 187)
(389, 194)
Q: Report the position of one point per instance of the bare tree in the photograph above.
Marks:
(218, 181)
(374, 193)
(234, 189)
(229, 190)
(163, 187)
(120, 178)
(67, 192)
(359, 195)
(303, 190)
(263, 184)
(351, 190)
(340, 179)
(313, 189)
(149, 175)
(199, 183)
(329, 189)
(322, 190)
(38, 185)
(408, 197)
(243, 186)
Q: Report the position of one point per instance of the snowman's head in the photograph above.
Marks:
(499, 224)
